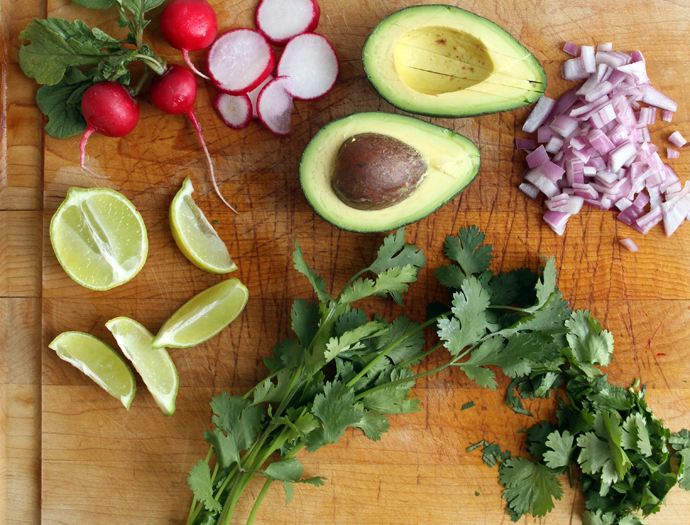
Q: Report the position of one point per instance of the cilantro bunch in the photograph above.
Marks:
(345, 368)
(58, 49)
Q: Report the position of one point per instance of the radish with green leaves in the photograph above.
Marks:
(174, 92)
(189, 25)
(108, 109)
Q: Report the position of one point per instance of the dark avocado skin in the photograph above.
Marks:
(518, 105)
(404, 222)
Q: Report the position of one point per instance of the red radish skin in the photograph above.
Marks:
(174, 92)
(240, 60)
(254, 95)
(234, 110)
(312, 64)
(274, 106)
(189, 25)
(281, 20)
(108, 109)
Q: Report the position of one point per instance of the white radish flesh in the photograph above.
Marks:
(254, 95)
(281, 20)
(234, 110)
(274, 106)
(240, 60)
(312, 65)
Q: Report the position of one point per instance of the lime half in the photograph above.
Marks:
(203, 316)
(99, 238)
(153, 364)
(195, 236)
(98, 361)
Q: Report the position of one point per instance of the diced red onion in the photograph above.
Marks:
(537, 157)
(623, 204)
(602, 117)
(606, 46)
(648, 221)
(574, 69)
(564, 125)
(539, 114)
(600, 141)
(638, 72)
(525, 144)
(637, 56)
(629, 244)
(588, 60)
(677, 139)
(544, 134)
(676, 186)
(641, 201)
(571, 49)
(667, 115)
(672, 153)
(545, 185)
(629, 215)
(599, 91)
(557, 220)
(551, 170)
(654, 196)
(674, 213)
(655, 98)
(554, 145)
(621, 155)
(564, 103)
(530, 190)
(610, 58)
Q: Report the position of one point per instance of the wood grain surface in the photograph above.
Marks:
(70, 454)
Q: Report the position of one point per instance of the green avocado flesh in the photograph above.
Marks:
(444, 61)
(453, 162)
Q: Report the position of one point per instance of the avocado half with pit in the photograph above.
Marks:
(373, 172)
(441, 60)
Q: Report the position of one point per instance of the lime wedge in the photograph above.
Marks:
(195, 236)
(203, 316)
(153, 364)
(98, 361)
(99, 238)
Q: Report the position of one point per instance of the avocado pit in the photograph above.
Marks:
(374, 171)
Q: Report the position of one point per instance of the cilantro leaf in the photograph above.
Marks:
(465, 250)
(350, 320)
(537, 436)
(560, 449)
(409, 347)
(450, 276)
(588, 344)
(317, 282)
(95, 4)
(469, 323)
(240, 421)
(598, 518)
(336, 409)
(57, 44)
(199, 481)
(546, 285)
(635, 435)
(269, 392)
(393, 282)
(550, 318)
(287, 354)
(483, 355)
(373, 424)
(285, 470)
(680, 440)
(224, 447)
(529, 487)
(604, 455)
(515, 286)
(61, 103)
(352, 340)
(395, 399)
(684, 469)
(305, 321)
(395, 253)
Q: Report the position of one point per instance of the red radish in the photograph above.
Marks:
(310, 61)
(235, 110)
(280, 20)
(174, 92)
(189, 25)
(274, 106)
(240, 60)
(254, 95)
(108, 109)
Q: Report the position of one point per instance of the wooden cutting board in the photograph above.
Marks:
(70, 454)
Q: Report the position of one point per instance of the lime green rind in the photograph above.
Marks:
(80, 194)
(177, 228)
(159, 360)
(181, 322)
(106, 352)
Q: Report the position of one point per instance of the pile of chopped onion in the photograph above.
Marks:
(595, 145)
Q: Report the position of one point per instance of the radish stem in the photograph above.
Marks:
(188, 61)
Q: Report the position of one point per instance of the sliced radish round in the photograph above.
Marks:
(310, 61)
(280, 20)
(274, 106)
(235, 110)
(240, 60)
(254, 95)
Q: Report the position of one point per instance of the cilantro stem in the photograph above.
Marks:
(420, 356)
(402, 381)
(259, 500)
(388, 349)
(511, 308)
(354, 278)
